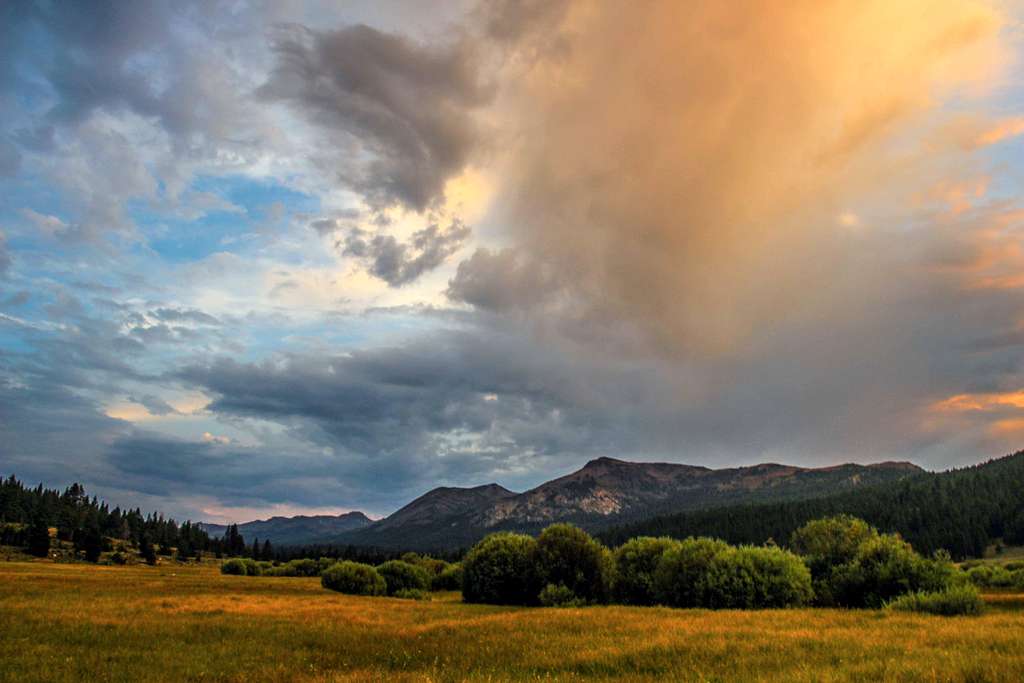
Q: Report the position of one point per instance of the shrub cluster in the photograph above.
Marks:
(450, 579)
(996, 576)
(240, 566)
(701, 572)
(852, 565)
(953, 601)
(401, 577)
(500, 570)
(839, 561)
(353, 578)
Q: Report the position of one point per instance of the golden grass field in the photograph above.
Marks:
(76, 622)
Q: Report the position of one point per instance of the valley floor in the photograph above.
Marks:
(73, 622)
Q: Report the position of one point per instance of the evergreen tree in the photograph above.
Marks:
(146, 550)
(39, 538)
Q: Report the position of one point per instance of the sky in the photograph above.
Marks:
(262, 258)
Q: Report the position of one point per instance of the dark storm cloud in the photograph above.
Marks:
(407, 105)
(502, 280)
(487, 394)
(399, 263)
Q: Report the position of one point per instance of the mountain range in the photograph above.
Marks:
(605, 492)
(301, 530)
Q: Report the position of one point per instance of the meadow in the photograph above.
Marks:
(73, 622)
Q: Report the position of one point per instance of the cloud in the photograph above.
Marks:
(185, 315)
(695, 201)
(400, 263)
(5, 257)
(154, 404)
(503, 280)
(400, 112)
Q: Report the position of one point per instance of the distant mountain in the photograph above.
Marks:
(963, 511)
(607, 492)
(301, 530)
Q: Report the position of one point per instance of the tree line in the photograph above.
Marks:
(963, 511)
(27, 514)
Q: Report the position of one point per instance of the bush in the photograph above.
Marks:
(402, 576)
(412, 594)
(886, 567)
(448, 580)
(303, 567)
(991, 576)
(500, 570)
(353, 578)
(826, 544)
(118, 558)
(961, 600)
(557, 595)
(681, 577)
(635, 564)
(235, 566)
(757, 578)
(251, 568)
(567, 556)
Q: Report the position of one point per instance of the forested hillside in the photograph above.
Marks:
(962, 511)
(26, 514)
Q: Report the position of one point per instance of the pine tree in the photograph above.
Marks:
(146, 550)
(39, 538)
(268, 551)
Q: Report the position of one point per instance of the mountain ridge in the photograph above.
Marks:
(604, 492)
(297, 530)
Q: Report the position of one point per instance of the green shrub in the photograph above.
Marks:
(412, 594)
(826, 544)
(991, 576)
(635, 564)
(1014, 566)
(433, 566)
(961, 600)
(703, 572)
(568, 556)
(448, 580)
(756, 578)
(251, 568)
(681, 577)
(402, 576)
(886, 567)
(500, 570)
(353, 578)
(557, 595)
(235, 566)
(118, 558)
(303, 567)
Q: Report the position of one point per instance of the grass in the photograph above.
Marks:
(71, 622)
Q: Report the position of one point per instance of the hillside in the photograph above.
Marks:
(298, 530)
(603, 493)
(962, 511)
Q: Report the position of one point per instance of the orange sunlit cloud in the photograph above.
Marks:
(979, 402)
(1008, 128)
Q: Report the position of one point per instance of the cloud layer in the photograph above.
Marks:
(310, 256)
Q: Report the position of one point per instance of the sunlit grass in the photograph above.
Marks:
(80, 622)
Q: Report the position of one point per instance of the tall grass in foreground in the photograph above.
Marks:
(82, 622)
